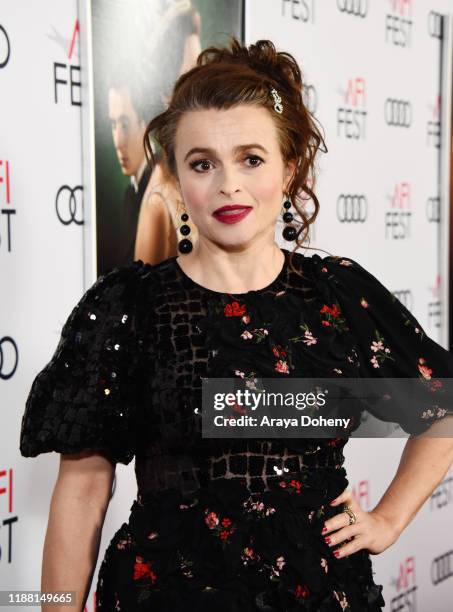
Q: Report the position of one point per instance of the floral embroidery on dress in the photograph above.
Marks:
(292, 484)
(250, 378)
(307, 337)
(222, 528)
(142, 570)
(341, 597)
(259, 334)
(302, 591)
(382, 352)
(185, 565)
(234, 309)
(425, 371)
(124, 543)
(257, 509)
(144, 576)
(249, 556)
(333, 317)
(284, 356)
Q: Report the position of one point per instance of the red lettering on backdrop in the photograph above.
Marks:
(406, 573)
(75, 33)
(9, 488)
(360, 493)
(4, 178)
(355, 92)
(403, 7)
(402, 195)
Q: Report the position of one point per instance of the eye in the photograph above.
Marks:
(195, 164)
(255, 157)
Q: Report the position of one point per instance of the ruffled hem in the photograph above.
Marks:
(224, 549)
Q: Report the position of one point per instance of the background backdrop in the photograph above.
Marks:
(372, 75)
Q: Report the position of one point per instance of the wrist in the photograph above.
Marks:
(395, 524)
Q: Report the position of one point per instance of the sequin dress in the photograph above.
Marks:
(227, 525)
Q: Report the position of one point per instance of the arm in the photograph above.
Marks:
(77, 511)
(424, 462)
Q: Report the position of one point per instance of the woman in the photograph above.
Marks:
(157, 237)
(227, 525)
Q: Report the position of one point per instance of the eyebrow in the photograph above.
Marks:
(254, 145)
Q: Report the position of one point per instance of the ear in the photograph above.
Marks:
(289, 173)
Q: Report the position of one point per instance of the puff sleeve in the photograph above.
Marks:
(391, 343)
(86, 397)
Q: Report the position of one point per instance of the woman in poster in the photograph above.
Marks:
(159, 220)
(229, 524)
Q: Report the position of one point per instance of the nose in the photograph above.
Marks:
(228, 184)
(119, 138)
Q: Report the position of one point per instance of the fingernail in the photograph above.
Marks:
(336, 553)
(332, 503)
(324, 530)
(327, 540)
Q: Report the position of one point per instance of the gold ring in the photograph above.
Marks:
(352, 515)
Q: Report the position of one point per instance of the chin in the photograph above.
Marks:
(234, 245)
(126, 170)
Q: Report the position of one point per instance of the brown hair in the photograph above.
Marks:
(224, 77)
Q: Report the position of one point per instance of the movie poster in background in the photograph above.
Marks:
(139, 48)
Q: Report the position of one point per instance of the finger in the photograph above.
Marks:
(338, 521)
(343, 497)
(342, 535)
(348, 549)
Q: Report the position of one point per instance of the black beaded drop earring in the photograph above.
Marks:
(289, 232)
(185, 245)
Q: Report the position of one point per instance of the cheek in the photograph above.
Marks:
(269, 192)
(196, 194)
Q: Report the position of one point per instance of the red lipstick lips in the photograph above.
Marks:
(231, 213)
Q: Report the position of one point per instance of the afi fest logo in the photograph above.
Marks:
(310, 97)
(361, 493)
(355, 8)
(352, 114)
(433, 124)
(406, 297)
(433, 209)
(69, 205)
(66, 75)
(300, 10)
(442, 496)
(9, 357)
(398, 23)
(7, 211)
(434, 304)
(398, 218)
(398, 113)
(442, 567)
(405, 586)
(7, 519)
(5, 47)
(435, 24)
(352, 208)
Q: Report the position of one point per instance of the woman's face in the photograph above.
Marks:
(239, 163)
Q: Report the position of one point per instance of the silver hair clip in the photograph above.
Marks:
(277, 100)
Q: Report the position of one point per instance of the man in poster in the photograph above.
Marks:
(128, 123)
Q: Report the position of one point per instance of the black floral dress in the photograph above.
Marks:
(227, 525)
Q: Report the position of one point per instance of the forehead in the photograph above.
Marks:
(223, 130)
(120, 103)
